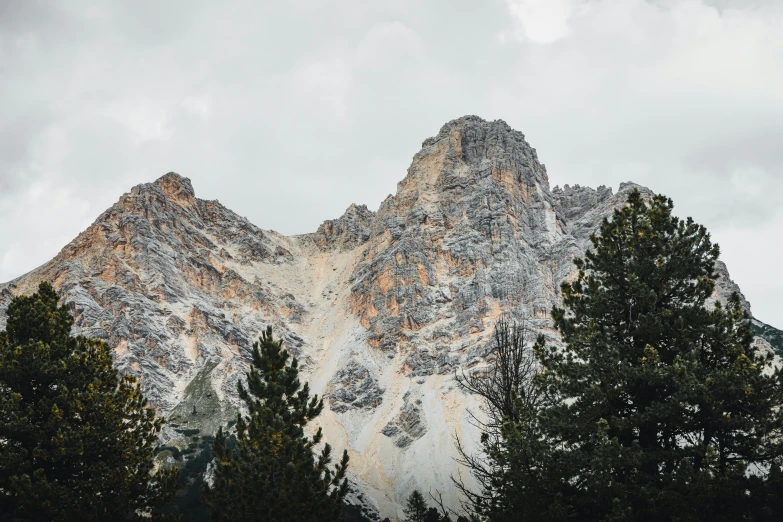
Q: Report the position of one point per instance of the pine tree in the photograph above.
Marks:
(659, 408)
(415, 508)
(273, 475)
(433, 515)
(76, 441)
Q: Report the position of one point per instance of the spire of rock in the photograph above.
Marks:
(176, 187)
(487, 147)
(466, 225)
(483, 172)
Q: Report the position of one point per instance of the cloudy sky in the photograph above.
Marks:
(287, 112)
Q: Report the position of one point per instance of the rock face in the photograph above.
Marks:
(381, 308)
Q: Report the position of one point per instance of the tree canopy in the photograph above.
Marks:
(273, 473)
(657, 406)
(76, 441)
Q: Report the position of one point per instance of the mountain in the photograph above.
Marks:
(380, 307)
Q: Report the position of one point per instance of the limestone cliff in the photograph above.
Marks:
(380, 307)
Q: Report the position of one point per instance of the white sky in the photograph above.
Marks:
(287, 112)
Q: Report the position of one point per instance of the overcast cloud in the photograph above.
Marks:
(287, 112)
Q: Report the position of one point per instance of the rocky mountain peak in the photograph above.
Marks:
(470, 170)
(473, 126)
(630, 185)
(381, 308)
(176, 188)
(468, 150)
(348, 231)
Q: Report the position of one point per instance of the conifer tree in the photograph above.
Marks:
(76, 441)
(415, 508)
(273, 475)
(658, 408)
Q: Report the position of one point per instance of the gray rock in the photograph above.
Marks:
(353, 387)
(408, 425)
(372, 304)
(350, 230)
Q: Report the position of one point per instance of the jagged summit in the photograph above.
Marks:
(630, 185)
(485, 168)
(379, 307)
(174, 186)
(349, 230)
(172, 179)
(484, 145)
(473, 121)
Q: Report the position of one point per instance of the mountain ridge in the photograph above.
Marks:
(381, 307)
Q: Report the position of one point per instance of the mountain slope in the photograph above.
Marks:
(771, 336)
(380, 307)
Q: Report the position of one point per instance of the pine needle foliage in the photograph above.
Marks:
(273, 474)
(415, 507)
(658, 407)
(76, 441)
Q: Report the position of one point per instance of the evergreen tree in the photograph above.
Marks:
(76, 442)
(658, 406)
(433, 515)
(415, 508)
(273, 475)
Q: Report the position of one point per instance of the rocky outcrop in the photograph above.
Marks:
(408, 425)
(471, 226)
(768, 338)
(352, 229)
(381, 308)
(168, 281)
(352, 387)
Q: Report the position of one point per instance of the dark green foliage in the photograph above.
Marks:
(273, 475)
(189, 502)
(188, 433)
(352, 513)
(415, 508)
(658, 408)
(433, 515)
(76, 441)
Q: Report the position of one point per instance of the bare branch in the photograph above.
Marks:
(507, 388)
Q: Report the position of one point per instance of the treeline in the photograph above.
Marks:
(78, 442)
(653, 406)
